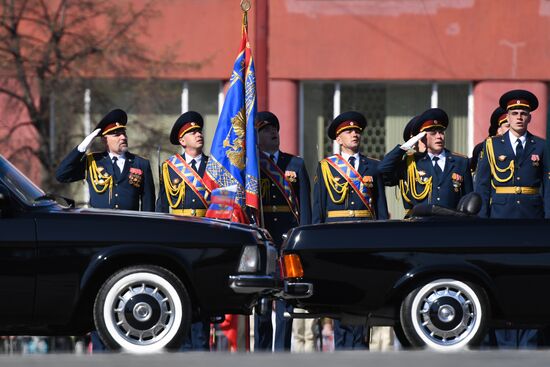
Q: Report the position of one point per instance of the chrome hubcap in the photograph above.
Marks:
(446, 313)
(143, 313)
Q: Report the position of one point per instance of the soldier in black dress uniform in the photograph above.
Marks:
(348, 187)
(182, 192)
(285, 190)
(117, 179)
(499, 125)
(437, 176)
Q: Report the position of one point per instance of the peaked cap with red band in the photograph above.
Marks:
(432, 119)
(407, 131)
(498, 117)
(266, 118)
(346, 121)
(114, 120)
(187, 122)
(519, 99)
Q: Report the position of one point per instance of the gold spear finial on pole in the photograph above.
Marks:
(245, 7)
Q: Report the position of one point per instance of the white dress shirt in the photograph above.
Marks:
(121, 159)
(514, 141)
(441, 161)
(356, 155)
(276, 154)
(197, 159)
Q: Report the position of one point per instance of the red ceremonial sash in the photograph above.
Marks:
(275, 174)
(353, 177)
(191, 178)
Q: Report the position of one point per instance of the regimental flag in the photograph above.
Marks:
(222, 205)
(233, 156)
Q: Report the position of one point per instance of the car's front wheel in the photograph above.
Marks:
(445, 314)
(142, 309)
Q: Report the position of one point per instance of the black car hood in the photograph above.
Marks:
(155, 215)
(139, 217)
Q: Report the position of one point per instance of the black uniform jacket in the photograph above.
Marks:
(455, 182)
(191, 200)
(134, 190)
(322, 202)
(531, 171)
(279, 222)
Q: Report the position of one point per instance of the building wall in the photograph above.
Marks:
(410, 39)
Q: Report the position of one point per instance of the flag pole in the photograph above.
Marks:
(245, 7)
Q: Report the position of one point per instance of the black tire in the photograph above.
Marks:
(401, 337)
(142, 309)
(445, 314)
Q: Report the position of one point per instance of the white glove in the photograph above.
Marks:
(412, 141)
(87, 141)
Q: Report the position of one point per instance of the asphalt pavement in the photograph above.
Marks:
(522, 358)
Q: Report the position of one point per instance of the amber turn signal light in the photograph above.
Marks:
(292, 266)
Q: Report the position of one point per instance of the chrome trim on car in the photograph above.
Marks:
(253, 283)
(271, 260)
(297, 290)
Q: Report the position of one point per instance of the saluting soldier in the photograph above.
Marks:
(348, 187)
(285, 190)
(414, 146)
(512, 178)
(117, 179)
(498, 126)
(437, 176)
(514, 164)
(183, 192)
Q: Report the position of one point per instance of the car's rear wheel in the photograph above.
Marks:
(142, 309)
(445, 314)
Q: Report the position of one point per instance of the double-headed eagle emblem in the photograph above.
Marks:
(236, 150)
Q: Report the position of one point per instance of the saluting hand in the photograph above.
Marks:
(87, 141)
(412, 141)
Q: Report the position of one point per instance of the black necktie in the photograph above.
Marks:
(437, 168)
(193, 165)
(519, 150)
(272, 157)
(351, 161)
(116, 169)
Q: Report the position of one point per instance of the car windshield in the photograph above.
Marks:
(18, 183)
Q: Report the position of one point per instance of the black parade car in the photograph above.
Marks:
(139, 278)
(440, 278)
